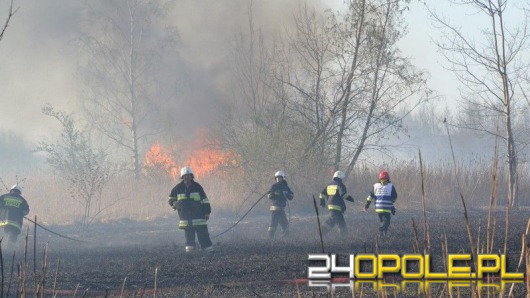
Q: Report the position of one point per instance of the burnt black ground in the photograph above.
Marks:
(245, 264)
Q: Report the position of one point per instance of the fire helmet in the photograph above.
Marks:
(384, 175)
(280, 174)
(339, 174)
(16, 188)
(186, 171)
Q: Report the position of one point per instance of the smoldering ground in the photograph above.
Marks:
(136, 258)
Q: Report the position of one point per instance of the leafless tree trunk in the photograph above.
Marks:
(490, 70)
(121, 74)
(393, 89)
(346, 96)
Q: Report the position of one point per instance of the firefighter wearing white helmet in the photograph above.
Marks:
(13, 208)
(334, 195)
(186, 171)
(190, 200)
(339, 174)
(279, 193)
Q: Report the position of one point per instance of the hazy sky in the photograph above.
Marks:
(419, 47)
(419, 43)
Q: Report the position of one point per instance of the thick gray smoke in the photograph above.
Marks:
(38, 57)
(36, 64)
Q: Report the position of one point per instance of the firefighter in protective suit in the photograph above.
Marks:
(13, 208)
(279, 194)
(335, 194)
(190, 200)
(384, 193)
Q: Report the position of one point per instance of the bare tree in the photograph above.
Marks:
(394, 87)
(257, 125)
(350, 81)
(329, 89)
(9, 15)
(304, 71)
(125, 53)
(491, 68)
(86, 169)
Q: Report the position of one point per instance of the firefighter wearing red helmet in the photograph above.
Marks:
(385, 195)
(190, 200)
(335, 194)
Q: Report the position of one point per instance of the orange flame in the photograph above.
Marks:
(158, 157)
(204, 159)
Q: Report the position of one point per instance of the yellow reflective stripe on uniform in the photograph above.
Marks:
(205, 201)
(334, 207)
(383, 210)
(194, 222)
(332, 190)
(9, 223)
(322, 197)
(195, 196)
(345, 196)
(369, 199)
(198, 222)
(275, 208)
(12, 202)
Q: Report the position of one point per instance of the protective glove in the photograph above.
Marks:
(366, 206)
(393, 210)
(174, 205)
(322, 204)
(207, 216)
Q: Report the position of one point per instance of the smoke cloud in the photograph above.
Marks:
(38, 58)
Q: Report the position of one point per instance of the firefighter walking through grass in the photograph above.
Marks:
(13, 208)
(279, 194)
(190, 200)
(384, 193)
(335, 194)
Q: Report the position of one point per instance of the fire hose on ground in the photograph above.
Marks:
(242, 217)
(55, 233)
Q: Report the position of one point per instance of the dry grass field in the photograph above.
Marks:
(133, 248)
(142, 258)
